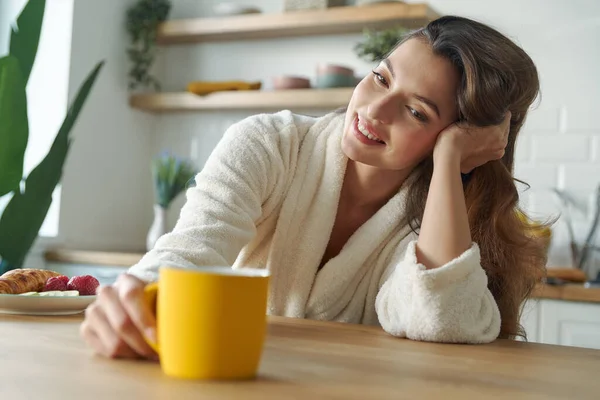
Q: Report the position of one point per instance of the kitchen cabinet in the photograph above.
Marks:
(567, 323)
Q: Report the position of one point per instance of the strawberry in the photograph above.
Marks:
(85, 284)
(56, 283)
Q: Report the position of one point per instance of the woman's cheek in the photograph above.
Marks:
(423, 142)
(363, 91)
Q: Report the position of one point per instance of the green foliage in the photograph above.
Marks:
(378, 44)
(14, 74)
(25, 37)
(14, 129)
(22, 218)
(26, 211)
(171, 176)
(143, 19)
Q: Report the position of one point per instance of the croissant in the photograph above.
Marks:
(25, 280)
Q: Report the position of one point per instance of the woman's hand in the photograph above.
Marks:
(114, 323)
(473, 146)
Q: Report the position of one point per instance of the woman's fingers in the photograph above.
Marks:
(116, 322)
(131, 294)
(121, 323)
(110, 343)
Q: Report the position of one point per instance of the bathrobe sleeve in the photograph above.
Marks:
(246, 169)
(449, 304)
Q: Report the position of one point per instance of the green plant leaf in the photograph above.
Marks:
(25, 37)
(377, 44)
(142, 20)
(26, 211)
(14, 128)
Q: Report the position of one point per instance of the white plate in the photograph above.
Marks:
(38, 305)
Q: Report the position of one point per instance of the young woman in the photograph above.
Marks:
(401, 211)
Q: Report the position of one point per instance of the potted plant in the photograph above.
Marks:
(378, 44)
(22, 218)
(171, 176)
(143, 19)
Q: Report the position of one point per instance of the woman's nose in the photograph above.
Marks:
(382, 109)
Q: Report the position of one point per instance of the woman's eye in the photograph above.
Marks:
(380, 78)
(417, 114)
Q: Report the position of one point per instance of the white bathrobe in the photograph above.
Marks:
(267, 198)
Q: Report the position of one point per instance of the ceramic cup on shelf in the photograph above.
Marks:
(334, 76)
(290, 82)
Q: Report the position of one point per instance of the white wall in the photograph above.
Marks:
(107, 192)
(560, 145)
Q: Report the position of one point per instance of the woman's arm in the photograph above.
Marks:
(438, 290)
(445, 232)
(246, 169)
(449, 304)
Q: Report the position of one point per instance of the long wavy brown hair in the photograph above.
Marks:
(496, 76)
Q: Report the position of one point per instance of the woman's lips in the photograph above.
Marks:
(369, 128)
(374, 141)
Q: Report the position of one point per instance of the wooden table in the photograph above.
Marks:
(44, 358)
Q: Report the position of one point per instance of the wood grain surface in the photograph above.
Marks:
(44, 358)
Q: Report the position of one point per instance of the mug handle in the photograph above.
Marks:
(150, 297)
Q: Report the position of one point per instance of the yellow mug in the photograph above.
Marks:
(211, 321)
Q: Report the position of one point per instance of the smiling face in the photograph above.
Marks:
(397, 112)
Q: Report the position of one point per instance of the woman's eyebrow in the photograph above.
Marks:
(423, 99)
(388, 64)
(430, 103)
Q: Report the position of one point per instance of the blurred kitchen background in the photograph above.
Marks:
(103, 211)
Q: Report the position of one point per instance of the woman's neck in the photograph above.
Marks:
(370, 187)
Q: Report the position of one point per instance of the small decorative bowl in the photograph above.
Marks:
(290, 82)
(323, 69)
(333, 80)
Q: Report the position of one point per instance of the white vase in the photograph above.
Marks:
(158, 228)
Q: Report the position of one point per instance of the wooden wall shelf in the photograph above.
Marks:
(243, 100)
(336, 20)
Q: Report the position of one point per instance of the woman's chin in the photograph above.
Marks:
(358, 156)
(349, 149)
